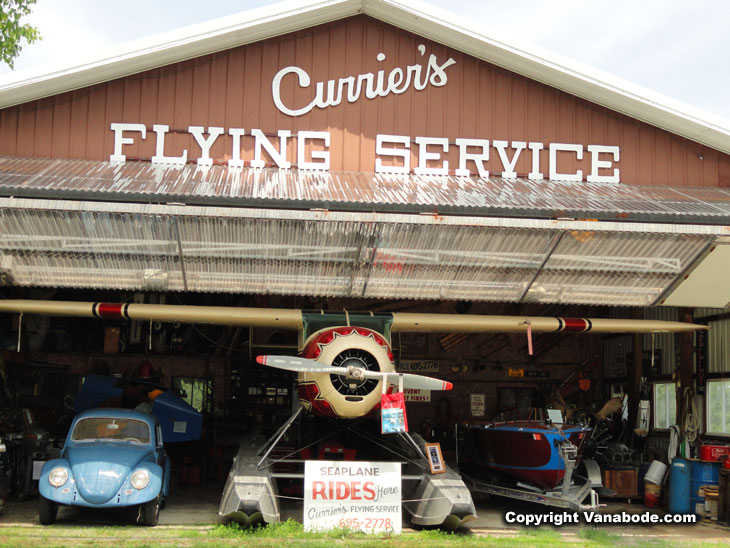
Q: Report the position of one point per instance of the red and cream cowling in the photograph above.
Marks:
(335, 395)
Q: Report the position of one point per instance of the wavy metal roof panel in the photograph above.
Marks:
(53, 243)
(218, 185)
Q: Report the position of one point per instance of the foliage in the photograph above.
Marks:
(13, 33)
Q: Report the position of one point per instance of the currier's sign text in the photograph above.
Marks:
(393, 153)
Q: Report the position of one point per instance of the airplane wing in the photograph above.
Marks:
(171, 313)
(294, 319)
(474, 323)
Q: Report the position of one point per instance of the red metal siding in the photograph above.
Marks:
(233, 89)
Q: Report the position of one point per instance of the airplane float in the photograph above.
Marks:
(345, 363)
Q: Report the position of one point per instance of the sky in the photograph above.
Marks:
(674, 47)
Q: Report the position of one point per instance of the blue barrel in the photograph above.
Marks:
(679, 483)
(703, 472)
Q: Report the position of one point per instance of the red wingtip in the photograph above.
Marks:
(448, 385)
(261, 359)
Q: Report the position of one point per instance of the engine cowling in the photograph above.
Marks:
(336, 395)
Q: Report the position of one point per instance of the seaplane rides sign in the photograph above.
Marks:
(392, 152)
(358, 495)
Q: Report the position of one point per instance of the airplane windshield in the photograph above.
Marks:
(107, 428)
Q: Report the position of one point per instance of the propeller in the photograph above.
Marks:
(305, 365)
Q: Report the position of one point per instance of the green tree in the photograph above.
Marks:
(12, 32)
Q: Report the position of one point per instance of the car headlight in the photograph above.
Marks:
(140, 479)
(58, 476)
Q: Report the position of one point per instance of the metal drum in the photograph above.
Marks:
(679, 484)
(702, 473)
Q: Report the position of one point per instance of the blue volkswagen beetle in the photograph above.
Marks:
(112, 458)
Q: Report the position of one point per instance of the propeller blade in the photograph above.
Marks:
(418, 381)
(305, 365)
(299, 365)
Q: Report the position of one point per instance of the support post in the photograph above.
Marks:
(635, 375)
(685, 367)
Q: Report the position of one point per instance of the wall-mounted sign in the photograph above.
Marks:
(417, 395)
(520, 372)
(409, 343)
(352, 88)
(364, 496)
(392, 153)
(478, 405)
(417, 365)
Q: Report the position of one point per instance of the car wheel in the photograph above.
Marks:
(151, 512)
(47, 510)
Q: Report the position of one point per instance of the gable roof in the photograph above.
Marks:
(411, 15)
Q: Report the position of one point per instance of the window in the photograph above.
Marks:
(718, 406)
(107, 428)
(665, 405)
(195, 391)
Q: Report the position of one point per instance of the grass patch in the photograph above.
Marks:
(291, 534)
(599, 536)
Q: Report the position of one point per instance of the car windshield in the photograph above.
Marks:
(107, 428)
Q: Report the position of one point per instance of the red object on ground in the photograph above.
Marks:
(652, 495)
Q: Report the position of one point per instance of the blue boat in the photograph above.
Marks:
(529, 451)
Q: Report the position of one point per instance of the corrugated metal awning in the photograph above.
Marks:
(144, 182)
(168, 247)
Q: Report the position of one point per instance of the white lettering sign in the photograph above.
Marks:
(392, 153)
(507, 164)
(120, 139)
(554, 174)
(404, 154)
(424, 156)
(398, 159)
(596, 164)
(417, 395)
(213, 132)
(159, 157)
(364, 496)
(478, 405)
(330, 93)
(478, 159)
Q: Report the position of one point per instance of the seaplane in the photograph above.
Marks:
(344, 364)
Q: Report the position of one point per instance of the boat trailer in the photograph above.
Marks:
(566, 495)
(573, 500)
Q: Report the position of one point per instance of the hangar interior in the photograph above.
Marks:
(213, 368)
